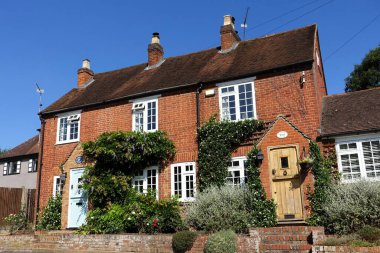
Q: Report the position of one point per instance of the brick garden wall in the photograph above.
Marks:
(344, 249)
(107, 243)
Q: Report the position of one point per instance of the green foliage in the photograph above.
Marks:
(141, 213)
(222, 241)
(116, 156)
(183, 241)
(17, 221)
(3, 150)
(369, 233)
(349, 207)
(262, 211)
(219, 208)
(367, 74)
(50, 218)
(216, 141)
(323, 180)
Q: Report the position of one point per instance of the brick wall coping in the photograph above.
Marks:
(333, 249)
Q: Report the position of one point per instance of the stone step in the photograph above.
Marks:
(284, 247)
(286, 238)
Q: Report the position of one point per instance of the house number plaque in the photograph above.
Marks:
(79, 159)
(282, 134)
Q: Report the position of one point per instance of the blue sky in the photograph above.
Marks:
(45, 41)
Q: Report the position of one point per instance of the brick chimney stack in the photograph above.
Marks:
(228, 36)
(84, 73)
(155, 51)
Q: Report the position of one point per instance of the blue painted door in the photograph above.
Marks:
(77, 200)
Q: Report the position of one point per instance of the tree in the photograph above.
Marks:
(367, 74)
(3, 150)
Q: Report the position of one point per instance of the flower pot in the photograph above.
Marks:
(306, 166)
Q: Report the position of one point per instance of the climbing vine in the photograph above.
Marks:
(216, 142)
(116, 156)
(323, 179)
(262, 210)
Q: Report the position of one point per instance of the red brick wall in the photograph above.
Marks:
(176, 115)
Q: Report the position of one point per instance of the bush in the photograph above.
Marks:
(349, 207)
(183, 241)
(142, 213)
(50, 218)
(17, 221)
(219, 208)
(370, 234)
(222, 241)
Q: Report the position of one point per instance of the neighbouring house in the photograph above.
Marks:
(351, 126)
(19, 165)
(278, 78)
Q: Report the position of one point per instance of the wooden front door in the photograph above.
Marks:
(286, 183)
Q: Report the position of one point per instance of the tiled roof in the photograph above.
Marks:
(249, 58)
(351, 112)
(30, 147)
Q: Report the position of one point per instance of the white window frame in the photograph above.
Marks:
(236, 84)
(55, 185)
(358, 139)
(6, 168)
(184, 173)
(68, 115)
(141, 105)
(32, 165)
(144, 178)
(241, 170)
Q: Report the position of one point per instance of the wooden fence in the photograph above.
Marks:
(13, 199)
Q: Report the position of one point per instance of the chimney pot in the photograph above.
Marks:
(156, 38)
(84, 73)
(86, 64)
(228, 36)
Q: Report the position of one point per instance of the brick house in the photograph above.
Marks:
(277, 78)
(351, 127)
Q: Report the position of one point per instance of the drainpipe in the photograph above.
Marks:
(39, 170)
(198, 109)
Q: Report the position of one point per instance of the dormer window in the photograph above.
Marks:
(68, 127)
(144, 116)
(237, 100)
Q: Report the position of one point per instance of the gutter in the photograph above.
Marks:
(326, 136)
(39, 170)
(198, 110)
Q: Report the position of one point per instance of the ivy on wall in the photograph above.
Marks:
(116, 157)
(216, 142)
(323, 179)
(262, 210)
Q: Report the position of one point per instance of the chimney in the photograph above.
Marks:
(84, 73)
(228, 36)
(155, 51)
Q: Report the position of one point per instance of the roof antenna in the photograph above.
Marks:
(245, 25)
(40, 91)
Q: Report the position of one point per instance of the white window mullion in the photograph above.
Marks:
(361, 160)
(18, 167)
(5, 169)
(30, 165)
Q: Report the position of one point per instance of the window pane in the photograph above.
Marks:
(151, 116)
(228, 108)
(139, 121)
(63, 129)
(74, 130)
(245, 101)
(350, 166)
(371, 153)
(189, 186)
(177, 181)
(152, 179)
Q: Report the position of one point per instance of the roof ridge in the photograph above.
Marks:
(352, 92)
(213, 48)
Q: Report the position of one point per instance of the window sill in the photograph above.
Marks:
(66, 142)
(11, 174)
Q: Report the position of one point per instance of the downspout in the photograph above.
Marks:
(39, 170)
(198, 110)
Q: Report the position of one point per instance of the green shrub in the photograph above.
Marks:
(219, 208)
(50, 218)
(222, 241)
(339, 241)
(183, 241)
(142, 213)
(370, 234)
(360, 243)
(349, 207)
(17, 221)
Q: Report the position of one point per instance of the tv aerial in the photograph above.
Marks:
(40, 91)
(245, 25)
